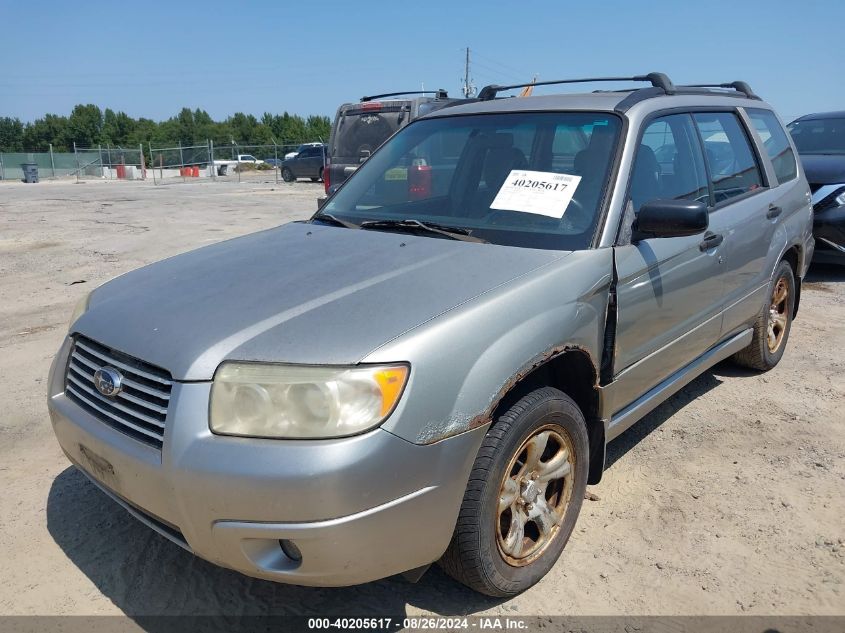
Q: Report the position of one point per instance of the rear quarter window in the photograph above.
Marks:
(775, 141)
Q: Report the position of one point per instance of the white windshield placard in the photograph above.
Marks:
(539, 192)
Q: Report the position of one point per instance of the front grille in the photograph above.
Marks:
(139, 409)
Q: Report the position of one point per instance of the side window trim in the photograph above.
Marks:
(699, 142)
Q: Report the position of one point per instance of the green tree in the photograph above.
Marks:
(117, 128)
(88, 126)
(142, 133)
(85, 125)
(41, 133)
(11, 134)
(318, 128)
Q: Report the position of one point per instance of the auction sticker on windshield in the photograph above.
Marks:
(539, 192)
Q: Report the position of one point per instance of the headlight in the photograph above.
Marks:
(80, 309)
(840, 199)
(264, 400)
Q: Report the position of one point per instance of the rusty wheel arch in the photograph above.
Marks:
(571, 369)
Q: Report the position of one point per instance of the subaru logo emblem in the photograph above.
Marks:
(108, 381)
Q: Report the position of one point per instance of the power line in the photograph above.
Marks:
(505, 67)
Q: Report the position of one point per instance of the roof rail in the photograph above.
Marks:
(439, 94)
(658, 80)
(739, 86)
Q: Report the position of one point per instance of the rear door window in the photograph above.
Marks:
(776, 143)
(733, 167)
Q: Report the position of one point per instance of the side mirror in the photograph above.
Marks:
(670, 218)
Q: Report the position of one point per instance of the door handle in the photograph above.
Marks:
(711, 240)
(773, 212)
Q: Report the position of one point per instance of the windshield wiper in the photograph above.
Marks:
(328, 218)
(410, 224)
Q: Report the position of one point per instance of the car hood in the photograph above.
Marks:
(299, 293)
(824, 169)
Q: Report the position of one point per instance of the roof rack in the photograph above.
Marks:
(739, 86)
(439, 94)
(658, 80)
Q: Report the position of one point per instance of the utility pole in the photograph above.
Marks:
(468, 88)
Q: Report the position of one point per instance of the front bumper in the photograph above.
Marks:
(829, 231)
(358, 509)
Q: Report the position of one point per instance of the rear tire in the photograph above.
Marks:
(523, 497)
(287, 174)
(771, 329)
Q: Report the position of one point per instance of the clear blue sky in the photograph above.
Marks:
(152, 58)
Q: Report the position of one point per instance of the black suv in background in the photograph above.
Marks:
(360, 128)
(820, 139)
(307, 163)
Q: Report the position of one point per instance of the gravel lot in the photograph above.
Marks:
(728, 499)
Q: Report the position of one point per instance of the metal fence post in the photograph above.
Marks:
(52, 162)
(111, 171)
(2, 169)
(181, 162)
(210, 145)
(152, 163)
(76, 155)
(142, 163)
(238, 155)
(276, 167)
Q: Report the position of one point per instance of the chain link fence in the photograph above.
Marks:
(231, 162)
(83, 163)
(110, 163)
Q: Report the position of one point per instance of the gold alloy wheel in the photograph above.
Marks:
(778, 316)
(534, 494)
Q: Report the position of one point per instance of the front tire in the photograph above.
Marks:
(287, 174)
(523, 497)
(771, 330)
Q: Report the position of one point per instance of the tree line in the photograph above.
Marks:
(88, 126)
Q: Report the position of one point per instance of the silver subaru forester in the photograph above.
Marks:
(430, 368)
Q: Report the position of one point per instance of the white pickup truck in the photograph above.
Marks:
(223, 167)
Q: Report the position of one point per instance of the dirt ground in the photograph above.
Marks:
(728, 499)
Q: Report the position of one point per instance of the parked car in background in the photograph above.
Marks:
(359, 128)
(225, 167)
(249, 158)
(308, 163)
(431, 367)
(302, 147)
(820, 139)
(275, 162)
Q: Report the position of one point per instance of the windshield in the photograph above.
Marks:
(535, 180)
(818, 136)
